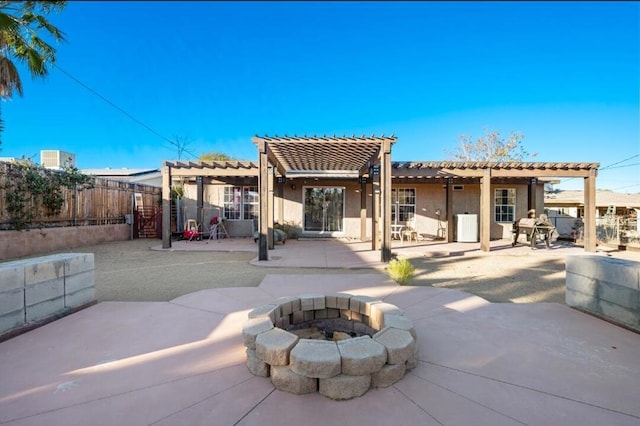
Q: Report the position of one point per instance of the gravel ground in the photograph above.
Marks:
(131, 271)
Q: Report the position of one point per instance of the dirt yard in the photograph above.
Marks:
(131, 271)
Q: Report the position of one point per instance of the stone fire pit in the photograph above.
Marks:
(363, 343)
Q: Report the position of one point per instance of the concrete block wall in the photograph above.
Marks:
(17, 244)
(33, 290)
(607, 287)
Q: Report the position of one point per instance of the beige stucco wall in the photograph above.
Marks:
(430, 198)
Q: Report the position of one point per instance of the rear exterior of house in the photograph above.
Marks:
(348, 187)
(332, 208)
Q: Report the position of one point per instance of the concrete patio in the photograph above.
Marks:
(183, 361)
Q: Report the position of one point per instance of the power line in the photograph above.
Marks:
(130, 116)
(621, 161)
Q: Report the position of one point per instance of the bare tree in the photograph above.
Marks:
(491, 147)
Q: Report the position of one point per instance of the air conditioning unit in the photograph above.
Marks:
(466, 228)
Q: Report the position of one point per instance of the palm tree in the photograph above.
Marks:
(21, 23)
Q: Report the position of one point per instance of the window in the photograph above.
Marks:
(404, 201)
(232, 202)
(250, 202)
(505, 205)
(241, 202)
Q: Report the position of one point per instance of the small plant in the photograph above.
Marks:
(400, 270)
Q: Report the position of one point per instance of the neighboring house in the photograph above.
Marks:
(151, 177)
(566, 209)
(349, 187)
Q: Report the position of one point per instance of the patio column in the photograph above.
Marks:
(199, 201)
(590, 211)
(264, 204)
(271, 203)
(166, 207)
(485, 210)
(449, 213)
(385, 196)
(375, 210)
(363, 209)
(533, 183)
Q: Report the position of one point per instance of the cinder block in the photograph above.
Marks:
(580, 300)
(582, 284)
(76, 263)
(585, 265)
(618, 295)
(80, 297)
(45, 309)
(319, 302)
(622, 272)
(321, 314)
(79, 281)
(43, 291)
(330, 302)
(365, 303)
(306, 302)
(308, 315)
(11, 301)
(333, 313)
(44, 269)
(11, 320)
(297, 317)
(12, 275)
(619, 314)
(343, 300)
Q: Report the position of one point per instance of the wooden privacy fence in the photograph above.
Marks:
(99, 202)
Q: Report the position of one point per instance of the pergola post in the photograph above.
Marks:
(485, 210)
(375, 210)
(449, 212)
(363, 210)
(264, 205)
(200, 201)
(590, 211)
(270, 203)
(385, 196)
(166, 207)
(532, 202)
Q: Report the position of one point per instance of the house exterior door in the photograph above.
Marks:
(324, 210)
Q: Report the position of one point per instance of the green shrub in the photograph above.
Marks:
(401, 270)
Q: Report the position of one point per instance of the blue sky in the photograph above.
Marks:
(214, 74)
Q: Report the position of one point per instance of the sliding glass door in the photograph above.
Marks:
(324, 210)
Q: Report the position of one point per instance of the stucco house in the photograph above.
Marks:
(613, 209)
(151, 177)
(349, 187)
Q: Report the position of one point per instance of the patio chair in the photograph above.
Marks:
(410, 231)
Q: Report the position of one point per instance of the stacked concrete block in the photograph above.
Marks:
(12, 311)
(79, 279)
(606, 287)
(344, 368)
(40, 288)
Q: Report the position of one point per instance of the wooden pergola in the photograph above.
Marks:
(368, 160)
(487, 172)
(362, 157)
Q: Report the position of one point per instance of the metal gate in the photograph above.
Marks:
(147, 222)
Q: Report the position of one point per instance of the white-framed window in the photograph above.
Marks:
(403, 204)
(241, 202)
(505, 204)
(250, 202)
(232, 202)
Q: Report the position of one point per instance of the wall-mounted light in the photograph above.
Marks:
(293, 186)
(362, 179)
(281, 179)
